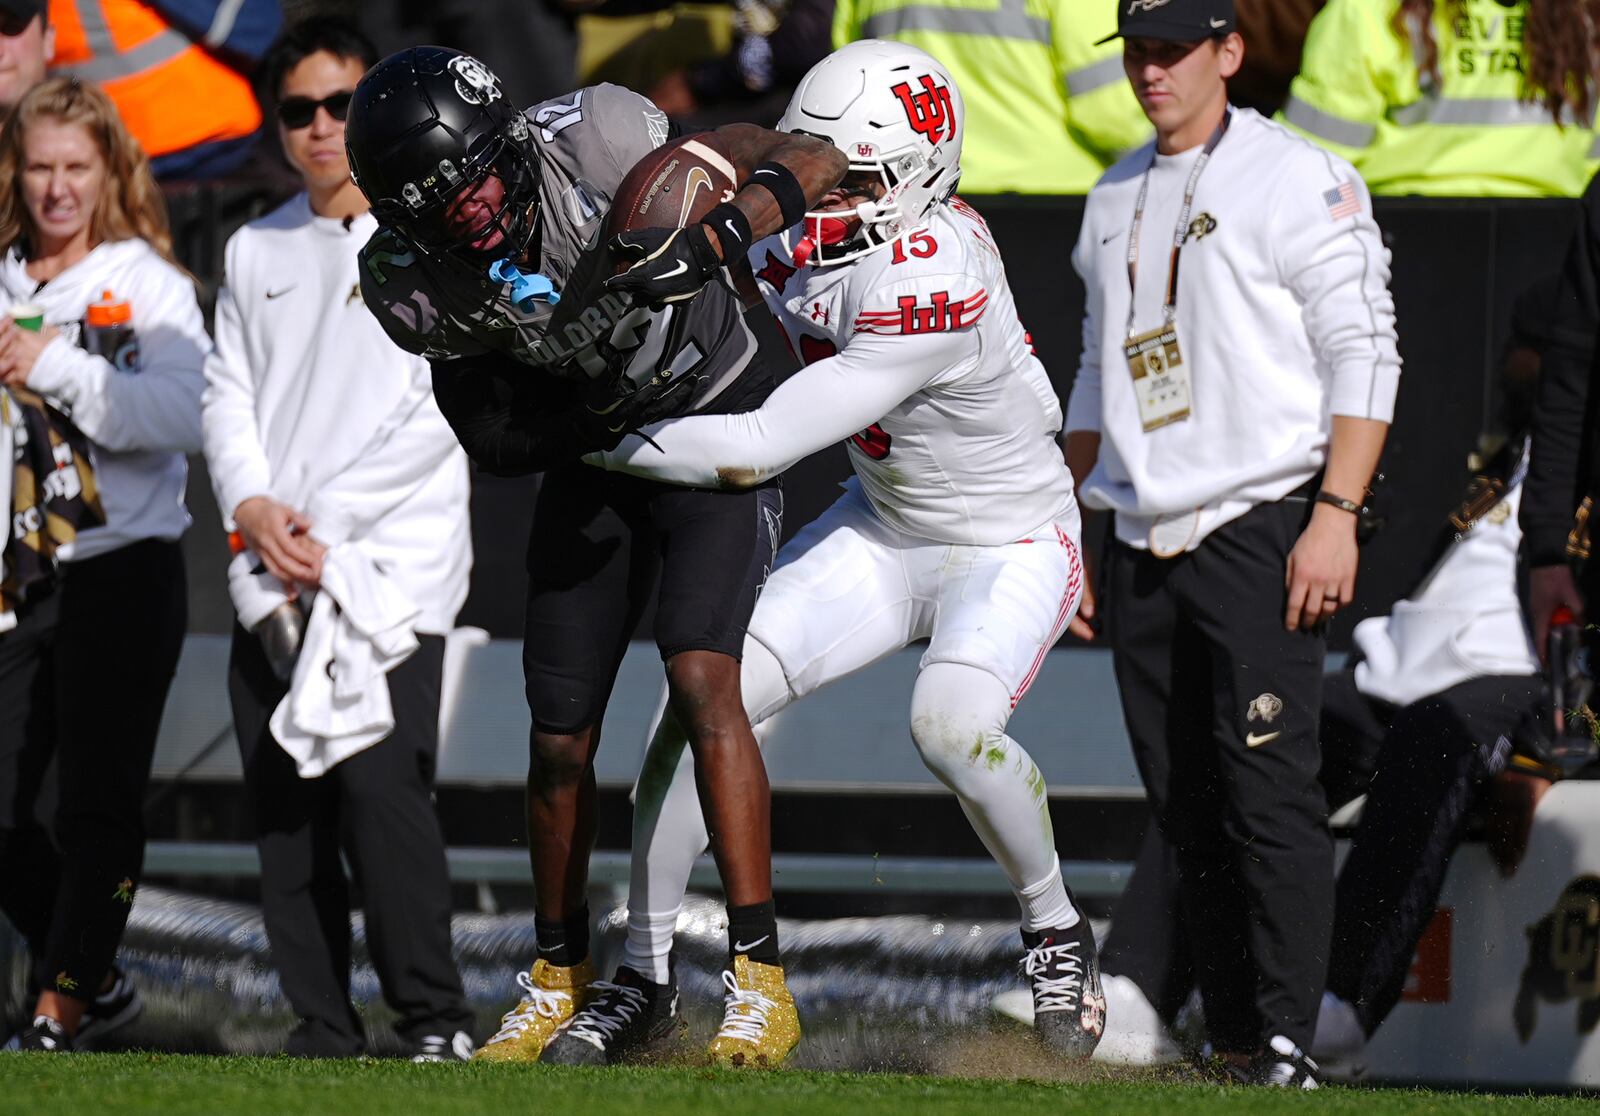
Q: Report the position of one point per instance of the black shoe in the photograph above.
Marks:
(1069, 1008)
(444, 1048)
(45, 1035)
(1283, 1065)
(315, 1039)
(622, 1019)
(116, 1007)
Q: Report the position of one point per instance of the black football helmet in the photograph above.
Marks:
(428, 128)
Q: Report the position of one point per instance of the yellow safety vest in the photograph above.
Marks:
(1047, 111)
(1361, 93)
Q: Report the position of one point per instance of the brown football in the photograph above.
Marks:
(672, 186)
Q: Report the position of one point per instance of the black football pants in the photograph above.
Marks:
(1222, 704)
(377, 807)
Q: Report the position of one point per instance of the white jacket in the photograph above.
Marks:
(307, 401)
(141, 423)
(1284, 318)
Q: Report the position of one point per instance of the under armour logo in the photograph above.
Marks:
(819, 313)
(930, 111)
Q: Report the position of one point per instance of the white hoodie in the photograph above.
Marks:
(1283, 315)
(141, 423)
(307, 401)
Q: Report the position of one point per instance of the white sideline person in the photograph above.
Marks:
(960, 525)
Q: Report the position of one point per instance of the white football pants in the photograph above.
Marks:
(848, 591)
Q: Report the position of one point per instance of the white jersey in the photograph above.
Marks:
(915, 354)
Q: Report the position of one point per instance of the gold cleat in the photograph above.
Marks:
(553, 994)
(759, 1024)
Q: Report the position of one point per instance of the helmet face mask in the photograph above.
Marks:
(898, 117)
(431, 137)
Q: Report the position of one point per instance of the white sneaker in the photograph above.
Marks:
(1339, 1045)
(1135, 1034)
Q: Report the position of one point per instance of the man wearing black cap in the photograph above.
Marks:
(1231, 420)
(27, 43)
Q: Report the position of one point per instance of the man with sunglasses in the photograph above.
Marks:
(491, 263)
(332, 463)
(27, 43)
(1230, 419)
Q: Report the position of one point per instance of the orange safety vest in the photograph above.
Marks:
(173, 94)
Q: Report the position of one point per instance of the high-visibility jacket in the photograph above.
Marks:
(1362, 94)
(171, 91)
(1047, 111)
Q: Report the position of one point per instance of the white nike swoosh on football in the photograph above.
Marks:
(697, 178)
(1219, 22)
(679, 270)
(746, 947)
(1253, 741)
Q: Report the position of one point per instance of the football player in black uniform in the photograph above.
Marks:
(490, 261)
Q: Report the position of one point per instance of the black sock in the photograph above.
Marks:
(563, 942)
(753, 931)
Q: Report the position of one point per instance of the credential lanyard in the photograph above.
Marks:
(1169, 305)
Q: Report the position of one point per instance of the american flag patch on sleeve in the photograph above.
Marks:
(1342, 201)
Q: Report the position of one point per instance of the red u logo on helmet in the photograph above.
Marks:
(929, 110)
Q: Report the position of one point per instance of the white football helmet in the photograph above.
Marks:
(894, 111)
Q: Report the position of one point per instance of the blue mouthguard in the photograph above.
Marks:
(526, 289)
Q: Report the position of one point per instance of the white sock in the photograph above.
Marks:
(648, 950)
(1046, 904)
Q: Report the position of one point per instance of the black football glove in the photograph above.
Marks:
(673, 264)
(618, 407)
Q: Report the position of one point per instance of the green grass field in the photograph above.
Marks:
(179, 1084)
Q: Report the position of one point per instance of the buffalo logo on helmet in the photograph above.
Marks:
(1563, 959)
(929, 109)
(475, 82)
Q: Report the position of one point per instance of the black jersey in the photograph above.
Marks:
(438, 305)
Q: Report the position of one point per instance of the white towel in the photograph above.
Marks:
(361, 627)
(256, 594)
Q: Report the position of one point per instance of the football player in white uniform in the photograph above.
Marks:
(960, 525)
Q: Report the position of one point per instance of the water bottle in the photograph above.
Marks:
(1567, 665)
(108, 332)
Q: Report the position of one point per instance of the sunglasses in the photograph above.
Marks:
(299, 112)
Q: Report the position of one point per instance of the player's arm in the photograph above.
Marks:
(779, 177)
(819, 406)
(512, 419)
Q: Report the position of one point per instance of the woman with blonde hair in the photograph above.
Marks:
(105, 337)
(1481, 98)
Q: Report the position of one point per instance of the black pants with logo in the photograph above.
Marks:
(83, 679)
(1432, 759)
(377, 807)
(1222, 704)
